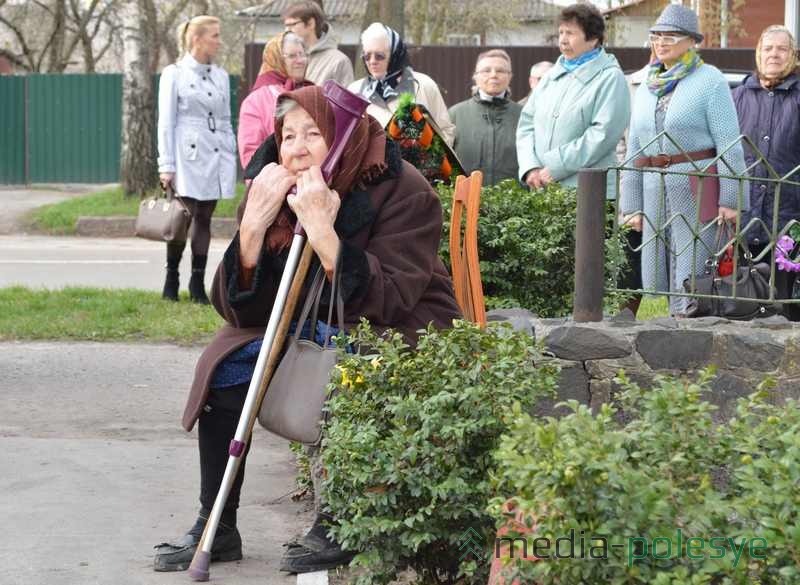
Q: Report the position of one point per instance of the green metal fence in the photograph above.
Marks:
(12, 136)
(65, 128)
(705, 242)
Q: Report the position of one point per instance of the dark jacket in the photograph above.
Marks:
(486, 137)
(391, 271)
(771, 119)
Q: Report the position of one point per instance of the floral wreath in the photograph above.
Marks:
(420, 144)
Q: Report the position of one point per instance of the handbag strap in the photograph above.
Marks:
(313, 298)
(169, 193)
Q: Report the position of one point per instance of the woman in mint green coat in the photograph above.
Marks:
(578, 112)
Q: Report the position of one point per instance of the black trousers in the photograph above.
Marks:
(216, 428)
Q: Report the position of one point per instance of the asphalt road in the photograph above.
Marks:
(96, 469)
(56, 262)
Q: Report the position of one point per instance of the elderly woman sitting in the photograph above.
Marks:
(379, 216)
(389, 75)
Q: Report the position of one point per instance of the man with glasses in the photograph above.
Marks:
(325, 60)
(486, 123)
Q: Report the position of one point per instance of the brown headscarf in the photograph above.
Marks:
(364, 157)
(774, 81)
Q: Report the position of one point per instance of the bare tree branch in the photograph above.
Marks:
(26, 49)
(14, 59)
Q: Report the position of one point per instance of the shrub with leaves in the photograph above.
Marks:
(526, 246)
(638, 483)
(408, 447)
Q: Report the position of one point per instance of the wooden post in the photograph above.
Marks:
(590, 246)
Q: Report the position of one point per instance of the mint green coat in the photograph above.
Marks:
(575, 120)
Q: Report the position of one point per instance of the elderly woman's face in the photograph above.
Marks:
(376, 57)
(572, 40)
(669, 47)
(776, 50)
(296, 60)
(302, 143)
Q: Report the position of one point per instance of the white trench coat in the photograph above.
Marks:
(195, 136)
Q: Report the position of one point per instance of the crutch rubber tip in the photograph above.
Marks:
(198, 570)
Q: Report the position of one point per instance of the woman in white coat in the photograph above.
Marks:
(196, 145)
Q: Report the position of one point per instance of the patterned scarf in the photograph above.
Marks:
(661, 82)
(398, 61)
(365, 155)
(572, 64)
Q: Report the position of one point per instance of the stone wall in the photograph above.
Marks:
(591, 354)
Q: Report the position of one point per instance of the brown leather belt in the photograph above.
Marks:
(665, 160)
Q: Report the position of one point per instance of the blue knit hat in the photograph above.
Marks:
(677, 18)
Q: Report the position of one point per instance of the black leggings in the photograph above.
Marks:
(216, 428)
(200, 229)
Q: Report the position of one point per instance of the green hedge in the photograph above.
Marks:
(670, 468)
(526, 245)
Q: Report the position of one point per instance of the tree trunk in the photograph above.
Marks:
(137, 164)
(57, 59)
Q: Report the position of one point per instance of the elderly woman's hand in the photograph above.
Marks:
(316, 207)
(727, 214)
(632, 219)
(264, 200)
(532, 179)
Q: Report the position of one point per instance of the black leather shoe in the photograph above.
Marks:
(316, 551)
(178, 555)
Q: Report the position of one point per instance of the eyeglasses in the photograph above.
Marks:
(490, 70)
(291, 24)
(299, 56)
(377, 55)
(666, 40)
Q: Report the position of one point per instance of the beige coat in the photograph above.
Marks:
(326, 61)
(427, 94)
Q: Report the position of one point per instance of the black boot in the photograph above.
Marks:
(171, 283)
(197, 287)
(178, 555)
(316, 551)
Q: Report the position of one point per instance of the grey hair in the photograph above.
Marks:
(285, 106)
(541, 67)
(376, 31)
(291, 38)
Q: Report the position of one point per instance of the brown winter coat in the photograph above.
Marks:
(391, 271)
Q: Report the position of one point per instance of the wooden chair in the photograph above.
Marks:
(465, 268)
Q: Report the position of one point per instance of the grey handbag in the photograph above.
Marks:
(163, 218)
(293, 405)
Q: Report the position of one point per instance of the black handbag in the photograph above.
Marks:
(752, 290)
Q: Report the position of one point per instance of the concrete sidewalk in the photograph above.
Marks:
(97, 470)
(18, 200)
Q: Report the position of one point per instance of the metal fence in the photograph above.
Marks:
(710, 240)
(452, 67)
(65, 128)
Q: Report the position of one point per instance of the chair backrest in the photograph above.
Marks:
(465, 267)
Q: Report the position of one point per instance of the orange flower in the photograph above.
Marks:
(446, 169)
(426, 137)
(394, 130)
(416, 115)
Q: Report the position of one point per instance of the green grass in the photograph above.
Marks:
(60, 218)
(653, 307)
(93, 314)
